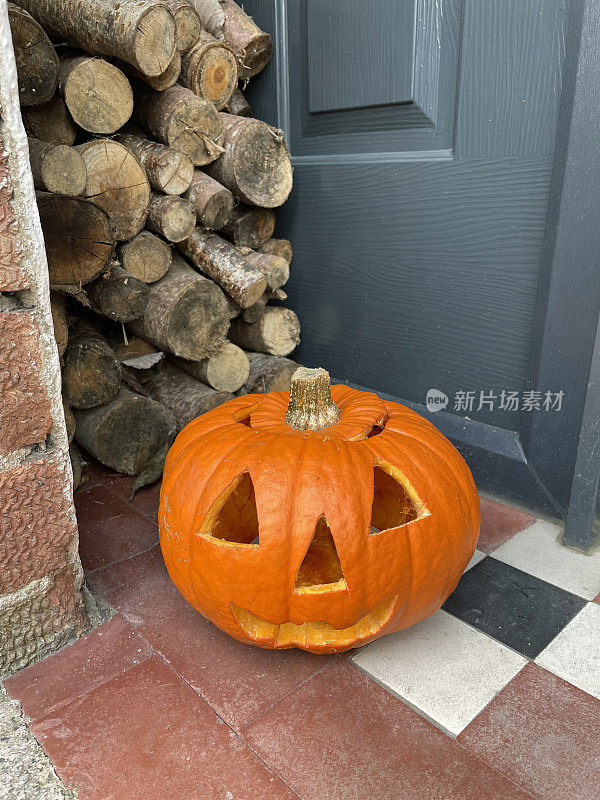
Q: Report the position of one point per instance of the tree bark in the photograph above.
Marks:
(278, 247)
(146, 257)
(97, 94)
(59, 321)
(226, 371)
(275, 269)
(221, 262)
(171, 216)
(255, 312)
(227, 21)
(117, 184)
(210, 70)
(268, 374)
(277, 332)
(182, 120)
(141, 32)
(255, 165)
(185, 396)
(187, 314)
(168, 170)
(56, 168)
(159, 83)
(238, 105)
(249, 227)
(91, 373)
(127, 432)
(50, 122)
(79, 238)
(119, 295)
(36, 59)
(187, 24)
(212, 202)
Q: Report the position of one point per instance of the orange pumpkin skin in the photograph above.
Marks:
(389, 579)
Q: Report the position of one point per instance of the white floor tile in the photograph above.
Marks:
(575, 653)
(477, 556)
(443, 668)
(537, 550)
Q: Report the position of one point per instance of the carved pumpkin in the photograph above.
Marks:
(321, 526)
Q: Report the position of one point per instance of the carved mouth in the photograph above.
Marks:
(312, 634)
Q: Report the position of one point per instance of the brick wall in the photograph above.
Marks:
(40, 574)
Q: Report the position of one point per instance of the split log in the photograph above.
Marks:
(127, 432)
(168, 170)
(119, 295)
(141, 32)
(187, 397)
(145, 257)
(171, 216)
(255, 312)
(117, 184)
(187, 314)
(35, 57)
(79, 238)
(187, 24)
(221, 262)
(77, 464)
(212, 202)
(59, 321)
(268, 374)
(210, 70)
(256, 164)
(57, 168)
(97, 94)
(91, 373)
(275, 269)
(182, 120)
(227, 21)
(226, 371)
(160, 82)
(238, 105)
(249, 227)
(70, 424)
(278, 247)
(277, 332)
(50, 122)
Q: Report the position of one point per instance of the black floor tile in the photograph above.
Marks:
(519, 610)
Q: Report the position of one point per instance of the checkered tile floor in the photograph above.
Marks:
(497, 695)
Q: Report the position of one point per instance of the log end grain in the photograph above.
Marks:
(58, 168)
(154, 41)
(146, 257)
(278, 247)
(171, 216)
(97, 94)
(36, 59)
(277, 332)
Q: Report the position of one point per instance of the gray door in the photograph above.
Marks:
(429, 140)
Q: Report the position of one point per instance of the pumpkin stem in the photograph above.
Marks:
(311, 407)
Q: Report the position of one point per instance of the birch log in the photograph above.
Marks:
(226, 371)
(277, 332)
(169, 171)
(127, 432)
(141, 32)
(221, 262)
(212, 202)
(255, 165)
(187, 314)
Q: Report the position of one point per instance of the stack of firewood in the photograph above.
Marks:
(155, 193)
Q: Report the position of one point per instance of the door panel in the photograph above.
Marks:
(423, 161)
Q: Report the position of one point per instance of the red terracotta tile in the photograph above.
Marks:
(541, 732)
(499, 523)
(90, 661)
(132, 570)
(145, 735)
(145, 500)
(597, 599)
(239, 681)
(109, 529)
(341, 735)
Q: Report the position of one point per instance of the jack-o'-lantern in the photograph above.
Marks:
(321, 518)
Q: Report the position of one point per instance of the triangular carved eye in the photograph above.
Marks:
(321, 565)
(233, 517)
(392, 502)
